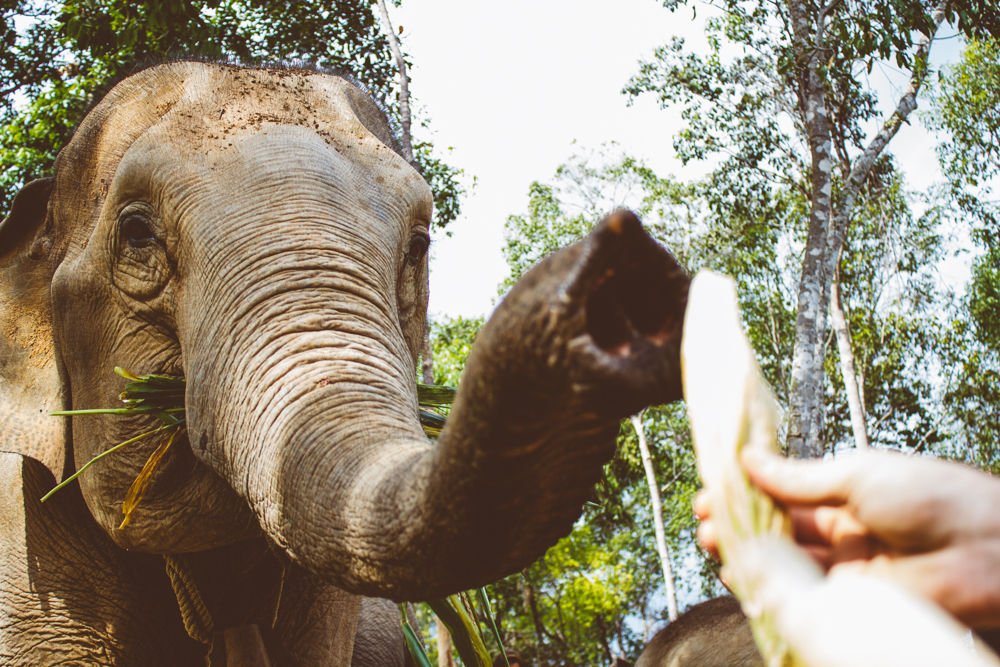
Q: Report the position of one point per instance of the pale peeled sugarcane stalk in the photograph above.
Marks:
(731, 407)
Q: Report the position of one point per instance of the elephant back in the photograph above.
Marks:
(712, 634)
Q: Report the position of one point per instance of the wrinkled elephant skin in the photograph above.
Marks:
(714, 633)
(257, 232)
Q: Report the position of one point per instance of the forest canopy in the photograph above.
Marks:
(57, 56)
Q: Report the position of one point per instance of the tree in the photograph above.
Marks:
(786, 117)
(889, 263)
(59, 56)
(966, 108)
(894, 309)
(752, 217)
(657, 510)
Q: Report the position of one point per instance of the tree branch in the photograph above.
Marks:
(863, 165)
(404, 94)
(851, 384)
(654, 494)
(821, 22)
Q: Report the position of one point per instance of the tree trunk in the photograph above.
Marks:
(851, 384)
(404, 94)
(661, 536)
(427, 357)
(805, 410)
(828, 227)
(444, 646)
(531, 606)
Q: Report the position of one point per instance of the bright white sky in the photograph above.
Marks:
(510, 86)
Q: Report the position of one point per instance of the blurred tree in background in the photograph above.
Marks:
(58, 56)
(966, 111)
(782, 111)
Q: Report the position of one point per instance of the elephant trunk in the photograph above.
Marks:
(312, 416)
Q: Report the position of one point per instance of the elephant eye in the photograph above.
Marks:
(136, 230)
(417, 249)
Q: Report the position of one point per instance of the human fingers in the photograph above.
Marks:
(825, 525)
(822, 554)
(708, 539)
(962, 580)
(701, 505)
(907, 502)
(920, 503)
(802, 482)
(831, 534)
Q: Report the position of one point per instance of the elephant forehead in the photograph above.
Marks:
(273, 165)
(207, 112)
(216, 102)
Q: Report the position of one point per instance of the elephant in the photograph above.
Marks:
(256, 231)
(714, 633)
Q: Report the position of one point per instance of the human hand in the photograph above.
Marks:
(849, 618)
(930, 525)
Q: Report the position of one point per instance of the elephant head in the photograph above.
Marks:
(714, 633)
(255, 231)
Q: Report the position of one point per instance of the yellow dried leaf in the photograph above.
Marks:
(141, 483)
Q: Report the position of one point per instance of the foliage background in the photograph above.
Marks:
(58, 57)
(927, 356)
(929, 359)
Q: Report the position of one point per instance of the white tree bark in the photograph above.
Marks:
(851, 384)
(444, 646)
(828, 226)
(661, 535)
(805, 410)
(404, 94)
(427, 356)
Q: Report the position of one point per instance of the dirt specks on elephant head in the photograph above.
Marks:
(21, 327)
(183, 177)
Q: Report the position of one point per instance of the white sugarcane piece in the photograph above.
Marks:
(730, 407)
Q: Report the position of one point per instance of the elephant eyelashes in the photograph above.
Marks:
(417, 249)
(136, 230)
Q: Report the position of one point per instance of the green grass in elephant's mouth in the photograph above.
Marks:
(163, 397)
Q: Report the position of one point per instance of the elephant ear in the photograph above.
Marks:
(30, 387)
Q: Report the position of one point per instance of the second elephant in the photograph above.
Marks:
(714, 633)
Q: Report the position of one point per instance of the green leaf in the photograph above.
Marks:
(435, 395)
(413, 643)
(464, 631)
(137, 491)
(128, 375)
(488, 612)
(106, 453)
